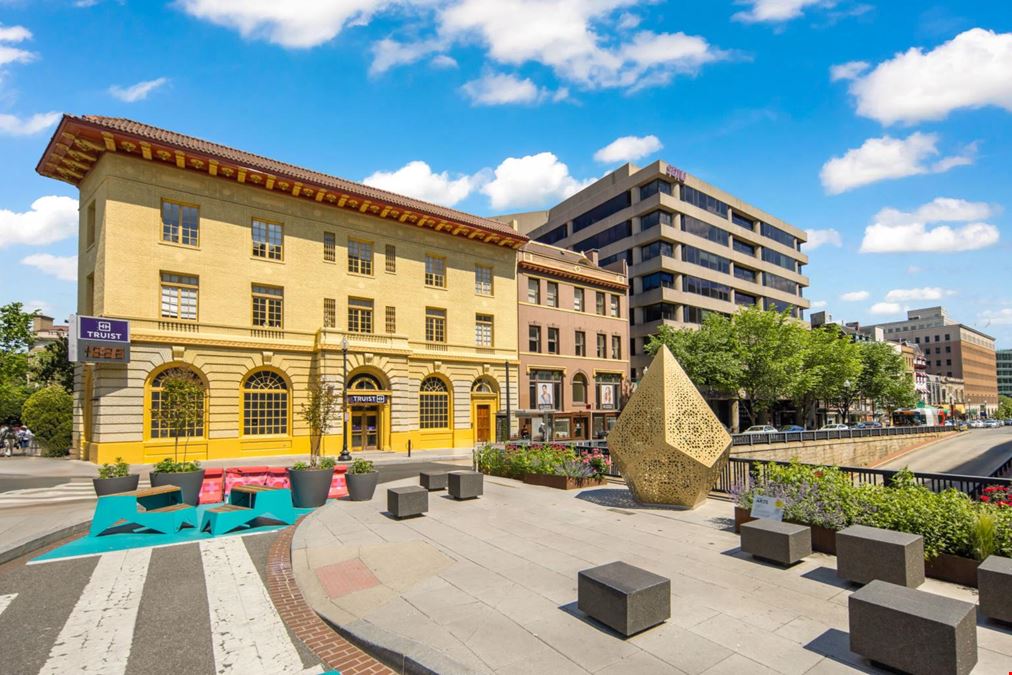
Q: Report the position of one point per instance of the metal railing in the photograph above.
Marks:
(793, 436)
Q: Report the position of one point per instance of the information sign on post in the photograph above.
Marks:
(95, 339)
(770, 508)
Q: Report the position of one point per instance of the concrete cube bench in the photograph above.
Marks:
(465, 484)
(913, 631)
(994, 581)
(623, 597)
(411, 500)
(866, 553)
(783, 543)
(432, 480)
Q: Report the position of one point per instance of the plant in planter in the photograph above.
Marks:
(362, 478)
(115, 478)
(180, 412)
(311, 481)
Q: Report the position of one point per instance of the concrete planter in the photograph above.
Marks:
(362, 486)
(561, 482)
(310, 487)
(823, 538)
(953, 568)
(188, 482)
(111, 486)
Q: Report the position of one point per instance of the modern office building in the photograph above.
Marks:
(257, 277)
(954, 350)
(691, 248)
(574, 328)
(1003, 358)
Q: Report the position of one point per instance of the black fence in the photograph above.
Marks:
(792, 436)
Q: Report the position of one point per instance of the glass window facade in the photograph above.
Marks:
(605, 237)
(657, 280)
(705, 230)
(546, 390)
(780, 283)
(654, 249)
(742, 247)
(655, 186)
(779, 259)
(659, 311)
(780, 306)
(778, 235)
(742, 221)
(707, 260)
(627, 255)
(704, 201)
(745, 274)
(557, 234)
(744, 299)
(602, 211)
(655, 218)
(710, 289)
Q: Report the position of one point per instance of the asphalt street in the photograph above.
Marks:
(975, 452)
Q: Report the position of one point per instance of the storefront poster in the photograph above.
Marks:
(546, 396)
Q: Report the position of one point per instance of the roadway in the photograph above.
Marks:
(975, 452)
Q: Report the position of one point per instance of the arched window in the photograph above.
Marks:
(579, 388)
(433, 404)
(367, 382)
(167, 422)
(483, 385)
(264, 404)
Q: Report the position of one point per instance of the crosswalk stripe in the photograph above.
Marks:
(246, 632)
(65, 492)
(6, 600)
(96, 637)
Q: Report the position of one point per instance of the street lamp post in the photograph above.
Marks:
(509, 412)
(345, 456)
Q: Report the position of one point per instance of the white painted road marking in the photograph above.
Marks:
(97, 636)
(6, 600)
(247, 634)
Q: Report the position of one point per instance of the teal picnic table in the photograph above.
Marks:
(245, 504)
(159, 508)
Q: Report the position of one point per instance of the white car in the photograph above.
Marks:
(761, 429)
(834, 427)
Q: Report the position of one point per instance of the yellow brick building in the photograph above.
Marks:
(252, 275)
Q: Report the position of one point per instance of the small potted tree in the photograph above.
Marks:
(311, 481)
(362, 478)
(180, 411)
(115, 478)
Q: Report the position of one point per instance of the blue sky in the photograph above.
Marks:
(883, 126)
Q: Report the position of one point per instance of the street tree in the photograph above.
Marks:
(768, 347)
(883, 375)
(15, 340)
(318, 411)
(52, 365)
(1004, 407)
(830, 361)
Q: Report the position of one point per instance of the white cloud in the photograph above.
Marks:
(12, 125)
(40, 306)
(886, 308)
(9, 54)
(137, 92)
(910, 294)
(63, 268)
(914, 269)
(854, 296)
(14, 34)
(416, 179)
(531, 181)
(819, 304)
(888, 158)
(774, 11)
(628, 148)
(502, 89)
(444, 61)
(50, 219)
(896, 231)
(1000, 317)
(969, 71)
(388, 53)
(817, 238)
(847, 71)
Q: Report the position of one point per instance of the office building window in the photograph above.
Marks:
(632, 346)
(483, 326)
(936, 338)
(482, 280)
(600, 303)
(552, 236)
(534, 291)
(744, 299)
(180, 223)
(948, 349)
(329, 313)
(742, 221)
(778, 235)
(653, 187)
(616, 306)
(268, 240)
(657, 248)
(179, 296)
(329, 247)
(264, 404)
(780, 283)
(704, 230)
(948, 362)
(781, 306)
(655, 218)
(947, 338)
(359, 315)
(626, 255)
(580, 343)
(578, 303)
(704, 201)
(616, 347)
(602, 346)
(435, 271)
(659, 311)
(787, 262)
(704, 259)
(268, 306)
(745, 274)
(742, 247)
(390, 258)
(552, 294)
(602, 211)
(704, 287)
(359, 256)
(391, 320)
(553, 340)
(657, 280)
(580, 389)
(605, 237)
(534, 339)
(693, 314)
(433, 404)
(435, 324)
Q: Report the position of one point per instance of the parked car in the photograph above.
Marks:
(992, 423)
(976, 424)
(834, 427)
(791, 429)
(761, 429)
(868, 425)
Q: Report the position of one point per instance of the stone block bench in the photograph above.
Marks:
(913, 631)
(432, 480)
(411, 500)
(772, 540)
(994, 582)
(866, 553)
(623, 597)
(465, 484)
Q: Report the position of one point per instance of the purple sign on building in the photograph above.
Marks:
(103, 330)
(675, 173)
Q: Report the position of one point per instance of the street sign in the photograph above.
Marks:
(95, 339)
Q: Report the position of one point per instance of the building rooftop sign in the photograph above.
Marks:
(675, 173)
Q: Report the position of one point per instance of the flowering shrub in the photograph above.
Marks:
(516, 461)
(599, 463)
(999, 495)
(822, 496)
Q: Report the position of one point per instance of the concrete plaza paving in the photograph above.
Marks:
(489, 585)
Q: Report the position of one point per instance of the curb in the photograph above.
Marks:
(20, 550)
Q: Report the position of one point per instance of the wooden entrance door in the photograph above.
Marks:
(364, 430)
(483, 423)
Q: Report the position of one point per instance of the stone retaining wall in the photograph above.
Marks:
(869, 451)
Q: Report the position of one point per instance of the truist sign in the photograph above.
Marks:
(105, 330)
(95, 339)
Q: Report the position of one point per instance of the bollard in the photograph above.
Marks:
(409, 447)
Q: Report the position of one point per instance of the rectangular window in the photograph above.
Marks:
(780, 283)
(578, 299)
(482, 280)
(622, 255)
(659, 312)
(91, 223)
(580, 343)
(605, 237)
(616, 306)
(707, 260)
(741, 220)
(534, 291)
(657, 280)
(600, 303)
(483, 326)
(658, 248)
(435, 324)
(778, 235)
(616, 347)
(704, 230)
(779, 259)
(653, 187)
(704, 201)
(359, 315)
(435, 271)
(534, 339)
(180, 223)
(179, 296)
(390, 258)
(693, 314)
(742, 247)
(709, 289)
(653, 219)
(268, 240)
(329, 247)
(744, 299)
(553, 340)
(602, 211)
(268, 306)
(602, 346)
(745, 274)
(552, 236)
(552, 294)
(329, 313)
(391, 320)
(781, 306)
(359, 256)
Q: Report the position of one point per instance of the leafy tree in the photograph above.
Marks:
(52, 365)
(768, 345)
(49, 413)
(881, 370)
(180, 409)
(12, 398)
(899, 393)
(318, 412)
(706, 355)
(15, 329)
(1004, 407)
(829, 360)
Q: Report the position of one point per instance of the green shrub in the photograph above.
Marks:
(12, 400)
(49, 413)
(118, 470)
(361, 466)
(169, 465)
(516, 461)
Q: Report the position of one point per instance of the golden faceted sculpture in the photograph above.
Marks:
(667, 443)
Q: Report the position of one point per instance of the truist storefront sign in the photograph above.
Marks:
(95, 339)
(105, 330)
